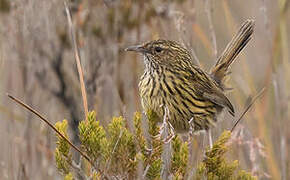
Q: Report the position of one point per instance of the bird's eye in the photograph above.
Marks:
(158, 49)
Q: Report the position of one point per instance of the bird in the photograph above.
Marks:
(172, 81)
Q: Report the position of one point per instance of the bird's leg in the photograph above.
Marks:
(191, 129)
(209, 138)
(148, 151)
(164, 124)
(171, 133)
(166, 129)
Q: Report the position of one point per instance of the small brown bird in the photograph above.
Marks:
(192, 96)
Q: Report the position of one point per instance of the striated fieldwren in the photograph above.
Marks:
(193, 97)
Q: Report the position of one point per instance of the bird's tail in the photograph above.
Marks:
(220, 70)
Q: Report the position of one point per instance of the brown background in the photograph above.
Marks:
(37, 65)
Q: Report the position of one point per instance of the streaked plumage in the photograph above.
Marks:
(172, 81)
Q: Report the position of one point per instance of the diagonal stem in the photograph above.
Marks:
(247, 108)
(51, 126)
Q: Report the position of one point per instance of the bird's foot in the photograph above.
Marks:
(166, 132)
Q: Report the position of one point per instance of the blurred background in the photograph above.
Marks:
(37, 65)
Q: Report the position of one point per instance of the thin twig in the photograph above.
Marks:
(113, 151)
(146, 171)
(210, 138)
(78, 61)
(247, 108)
(208, 10)
(80, 172)
(50, 125)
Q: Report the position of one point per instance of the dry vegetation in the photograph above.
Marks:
(37, 64)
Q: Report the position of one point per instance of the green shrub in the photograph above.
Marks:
(117, 152)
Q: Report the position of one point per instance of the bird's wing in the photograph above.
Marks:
(206, 87)
(220, 99)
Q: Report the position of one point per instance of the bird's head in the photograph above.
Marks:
(163, 53)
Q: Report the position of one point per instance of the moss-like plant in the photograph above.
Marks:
(69, 176)
(62, 153)
(122, 147)
(179, 158)
(216, 167)
(153, 160)
(93, 139)
(140, 139)
(116, 152)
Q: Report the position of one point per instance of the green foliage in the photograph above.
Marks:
(113, 150)
(215, 166)
(151, 157)
(154, 169)
(62, 153)
(243, 175)
(69, 176)
(153, 120)
(122, 148)
(179, 158)
(153, 161)
(116, 152)
(141, 142)
(93, 138)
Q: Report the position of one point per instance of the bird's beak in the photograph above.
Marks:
(138, 48)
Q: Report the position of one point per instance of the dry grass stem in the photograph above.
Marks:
(78, 61)
(51, 126)
(209, 10)
(247, 108)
